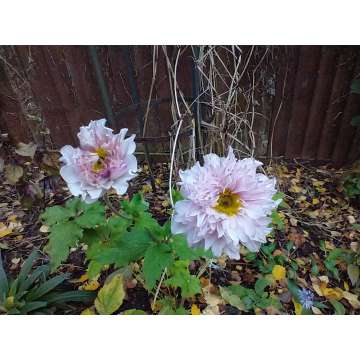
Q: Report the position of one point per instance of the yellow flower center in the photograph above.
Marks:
(99, 164)
(228, 203)
(101, 152)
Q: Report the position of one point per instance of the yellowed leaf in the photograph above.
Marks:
(211, 298)
(211, 310)
(314, 214)
(91, 285)
(352, 299)
(315, 201)
(279, 272)
(44, 229)
(317, 289)
(324, 279)
(351, 219)
(318, 183)
(295, 189)
(26, 149)
(316, 310)
(146, 188)
(195, 310)
(81, 279)
(331, 293)
(13, 173)
(298, 307)
(329, 245)
(354, 246)
(4, 230)
(88, 311)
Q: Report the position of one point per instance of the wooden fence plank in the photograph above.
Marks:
(340, 90)
(303, 93)
(310, 112)
(46, 94)
(284, 88)
(320, 101)
(347, 131)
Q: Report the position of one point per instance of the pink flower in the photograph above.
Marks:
(226, 204)
(104, 160)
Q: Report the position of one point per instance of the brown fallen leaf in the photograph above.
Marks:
(13, 173)
(352, 299)
(297, 238)
(26, 149)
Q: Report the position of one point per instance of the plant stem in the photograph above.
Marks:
(158, 287)
(111, 207)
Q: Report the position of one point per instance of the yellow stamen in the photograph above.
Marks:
(101, 152)
(228, 203)
(98, 166)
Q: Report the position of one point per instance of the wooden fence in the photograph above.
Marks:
(47, 92)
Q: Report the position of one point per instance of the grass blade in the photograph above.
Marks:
(46, 287)
(4, 285)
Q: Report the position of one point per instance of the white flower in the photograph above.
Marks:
(104, 160)
(226, 204)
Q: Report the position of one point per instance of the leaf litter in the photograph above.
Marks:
(314, 245)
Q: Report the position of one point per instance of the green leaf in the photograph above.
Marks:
(4, 284)
(314, 268)
(280, 196)
(184, 252)
(263, 303)
(74, 205)
(355, 121)
(41, 272)
(260, 285)
(129, 247)
(157, 258)
(250, 256)
(137, 208)
(94, 269)
(181, 311)
(176, 195)
(268, 249)
(320, 305)
(26, 267)
(353, 273)
(46, 287)
(31, 306)
(277, 221)
(356, 226)
(70, 296)
(338, 306)
(180, 277)
(231, 298)
(117, 226)
(239, 290)
(294, 290)
(134, 312)
(62, 237)
(355, 86)
(136, 205)
(110, 296)
(93, 215)
(56, 214)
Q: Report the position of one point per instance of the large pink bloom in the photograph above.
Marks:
(104, 160)
(226, 204)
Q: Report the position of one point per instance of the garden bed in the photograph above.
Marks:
(314, 242)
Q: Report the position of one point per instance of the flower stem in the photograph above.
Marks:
(111, 207)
